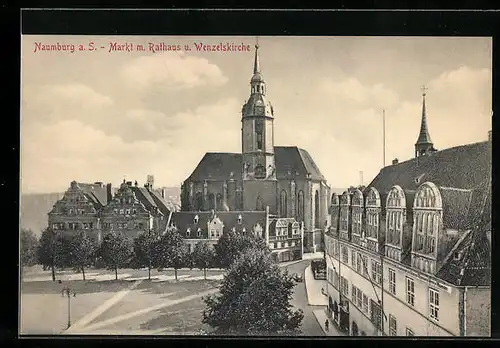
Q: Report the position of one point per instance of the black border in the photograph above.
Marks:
(237, 22)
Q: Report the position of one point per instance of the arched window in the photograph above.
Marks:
(283, 204)
(259, 204)
(219, 202)
(317, 219)
(300, 206)
(198, 201)
(211, 201)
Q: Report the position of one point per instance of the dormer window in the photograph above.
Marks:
(234, 229)
(196, 219)
(188, 232)
(457, 255)
(244, 231)
(198, 233)
(239, 219)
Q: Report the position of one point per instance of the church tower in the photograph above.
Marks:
(424, 143)
(257, 137)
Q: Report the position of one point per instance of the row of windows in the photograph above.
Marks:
(359, 262)
(281, 245)
(75, 211)
(125, 211)
(123, 225)
(73, 225)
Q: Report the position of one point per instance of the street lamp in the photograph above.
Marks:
(67, 291)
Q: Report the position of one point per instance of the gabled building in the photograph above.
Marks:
(134, 210)
(97, 209)
(79, 209)
(420, 262)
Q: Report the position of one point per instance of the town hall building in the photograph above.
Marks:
(285, 179)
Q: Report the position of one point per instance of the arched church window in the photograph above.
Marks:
(219, 202)
(259, 140)
(259, 206)
(300, 206)
(260, 172)
(211, 201)
(198, 201)
(316, 210)
(283, 204)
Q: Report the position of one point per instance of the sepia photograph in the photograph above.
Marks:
(255, 185)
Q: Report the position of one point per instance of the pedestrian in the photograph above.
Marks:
(326, 324)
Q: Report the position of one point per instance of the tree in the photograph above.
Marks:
(29, 246)
(46, 250)
(115, 251)
(83, 249)
(203, 256)
(254, 299)
(171, 250)
(231, 244)
(145, 251)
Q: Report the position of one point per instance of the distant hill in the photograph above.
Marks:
(35, 206)
(34, 209)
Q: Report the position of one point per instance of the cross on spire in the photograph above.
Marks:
(423, 90)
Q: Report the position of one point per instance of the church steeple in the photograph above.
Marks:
(256, 64)
(424, 143)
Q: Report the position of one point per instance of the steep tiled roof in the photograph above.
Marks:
(290, 160)
(160, 203)
(218, 166)
(459, 167)
(95, 192)
(456, 204)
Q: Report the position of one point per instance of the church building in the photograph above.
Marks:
(285, 179)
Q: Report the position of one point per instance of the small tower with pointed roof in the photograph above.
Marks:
(424, 143)
(257, 138)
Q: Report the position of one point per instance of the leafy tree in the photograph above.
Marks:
(254, 299)
(115, 251)
(83, 249)
(231, 244)
(46, 250)
(172, 251)
(145, 251)
(203, 256)
(29, 246)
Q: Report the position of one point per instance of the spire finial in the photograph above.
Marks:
(256, 65)
(423, 90)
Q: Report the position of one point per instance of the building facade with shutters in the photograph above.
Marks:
(284, 178)
(410, 255)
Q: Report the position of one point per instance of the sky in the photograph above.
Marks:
(104, 116)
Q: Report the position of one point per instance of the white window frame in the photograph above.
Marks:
(392, 281)
(410, 294)
(434, 304)
(393, 329)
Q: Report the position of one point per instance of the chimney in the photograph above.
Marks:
(489, 135)
(395, 161)
(99, 183)
(129, 183)
(109, 193)
(164, 193)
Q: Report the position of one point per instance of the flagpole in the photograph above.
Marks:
(383, 136)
